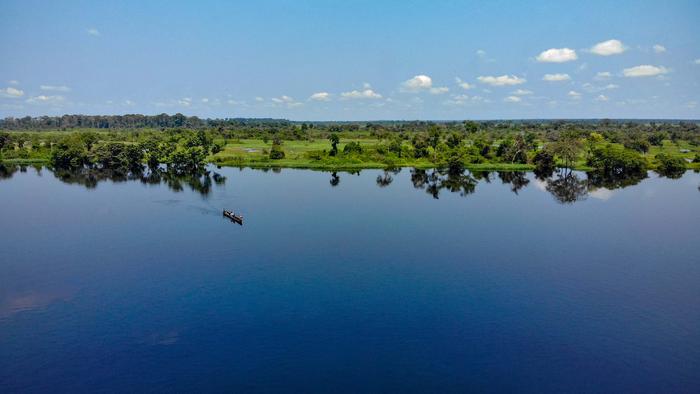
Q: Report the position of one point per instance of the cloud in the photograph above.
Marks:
(574, 95)
(556, 77)
(259, 99)
(602, 75)
(320, 96)
(521, 92)
(607, 48)
(93, 32)
(365, 93)
(503, 80)
(13, 82)
(42, 99)
(129, 103)
(204, 100)
(11, 92)
(286, 100)
(658, 48)
(462, 84)
(185, 102)
(644, 70)
(463, 99)
(52, 88)
(602, 98)
(697, 61)
(440, 90)
(593, 89)
(512, 99)
(417, 83)
(557, 55)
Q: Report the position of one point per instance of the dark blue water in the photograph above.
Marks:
(502, 283)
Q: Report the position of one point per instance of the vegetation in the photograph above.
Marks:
(186, 144)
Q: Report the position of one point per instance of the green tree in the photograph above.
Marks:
(335, 140)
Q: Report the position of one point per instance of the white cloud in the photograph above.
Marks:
(603, 75)
(512, 99)
(602, 98)
(53, 88)
(185, 102)
(440, 90)
(11, 92)
(259, 99)
(556, 77)
(462, 84)
(205, 100)
(503, 80)
(129, 103)
(609, 47)
(320, 96)
(45, 99)
(417, 83)
(93, 32)
(592, 88)
(644, 70)
(658, 48)
(286, 100)
(557, 55)
(13, 82)
(574, 95)
(463, 99)
(480, 52)
(365, 93)
(521, 92)
(697, 61)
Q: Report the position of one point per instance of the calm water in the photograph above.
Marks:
(349, 283)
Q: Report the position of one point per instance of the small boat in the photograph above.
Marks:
(234, 218)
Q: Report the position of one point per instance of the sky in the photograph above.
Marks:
(352, 60)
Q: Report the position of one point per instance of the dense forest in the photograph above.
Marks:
(186, 144)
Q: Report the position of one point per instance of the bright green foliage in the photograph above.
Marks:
(616, 160)
(69, 153)
(354, 147)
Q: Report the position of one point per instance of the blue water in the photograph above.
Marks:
(369, 285)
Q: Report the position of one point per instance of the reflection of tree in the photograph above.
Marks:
(516, 179)
(598, 179)
(335, 179)
(671, 173)
(385, 179)
(7, 171)
(482, 176)
(567, 188)
(433, 181)
(200, 181)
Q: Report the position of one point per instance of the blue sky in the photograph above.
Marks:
(352, 60)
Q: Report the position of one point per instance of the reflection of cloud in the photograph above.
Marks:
(540, 184)
(601, 193)
(27, 301)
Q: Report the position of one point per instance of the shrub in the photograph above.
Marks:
(276, 152)
(616, 160)
(672, 167)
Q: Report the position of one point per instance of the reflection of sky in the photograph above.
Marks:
(27, 301)
(601, 193)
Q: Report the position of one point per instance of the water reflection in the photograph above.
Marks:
(434, 181)
(565, 185)
(200, 182)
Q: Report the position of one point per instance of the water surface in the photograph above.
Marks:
(403, 281)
